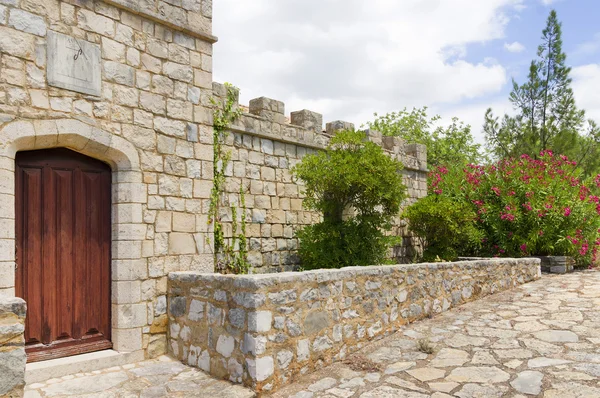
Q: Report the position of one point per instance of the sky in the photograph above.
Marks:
(347, 59)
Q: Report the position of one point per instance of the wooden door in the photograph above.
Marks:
(63, 227)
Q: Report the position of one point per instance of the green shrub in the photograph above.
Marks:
(446, 227)
(354, 176)
(525, 206)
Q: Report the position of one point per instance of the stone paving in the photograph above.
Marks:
(539, 340)
(162, 377)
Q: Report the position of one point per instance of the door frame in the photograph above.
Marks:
(129, 192)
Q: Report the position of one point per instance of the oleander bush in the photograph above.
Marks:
(521, 207)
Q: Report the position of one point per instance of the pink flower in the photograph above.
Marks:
(438, 191)
(496, 190)
(523, 247)
(567, 212)
(527, 206)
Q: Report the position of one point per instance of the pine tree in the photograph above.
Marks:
(547, 116)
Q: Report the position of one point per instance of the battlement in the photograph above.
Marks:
(265, 117)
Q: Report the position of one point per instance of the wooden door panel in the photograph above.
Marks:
(63, 251)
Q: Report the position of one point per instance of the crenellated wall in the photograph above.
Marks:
(264, 145)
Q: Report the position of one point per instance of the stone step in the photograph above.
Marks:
(54, 368)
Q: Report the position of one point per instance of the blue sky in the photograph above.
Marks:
(350, 58)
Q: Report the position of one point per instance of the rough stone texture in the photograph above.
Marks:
(486, 329)
(162, 377)
(264, 146)
(12, 347)
(557, 264)
(142, 124)
(320, 317)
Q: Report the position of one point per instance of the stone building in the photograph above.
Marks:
(127, 83)
(106, 168)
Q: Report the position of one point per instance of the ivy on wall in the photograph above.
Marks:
(230, 256)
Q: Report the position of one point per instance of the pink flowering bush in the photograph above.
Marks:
(527, 206)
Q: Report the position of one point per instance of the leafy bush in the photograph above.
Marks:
(353, 176)
(526, 206)
(447, 227)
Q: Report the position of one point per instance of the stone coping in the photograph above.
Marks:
(167, 14)
(258, 281)
(263, 330)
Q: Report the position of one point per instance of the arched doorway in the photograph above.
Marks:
(63, 258)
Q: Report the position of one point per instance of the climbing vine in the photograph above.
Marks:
(229, 256)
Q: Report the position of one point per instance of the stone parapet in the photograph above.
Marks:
(263, 330)
(12, 347)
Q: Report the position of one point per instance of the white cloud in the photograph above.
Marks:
(586, 80)
(350, 58)
(514, 47)
(589, 47)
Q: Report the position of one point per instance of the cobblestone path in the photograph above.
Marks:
(539, 340)
(162, 377)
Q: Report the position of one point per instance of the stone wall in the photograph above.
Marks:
(151, 122)
(263, 330)
(12, 350)
(264, 145)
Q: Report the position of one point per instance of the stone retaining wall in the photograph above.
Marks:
(12, 347)
(263, 330)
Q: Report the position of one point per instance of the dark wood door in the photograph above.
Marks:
(63, 226)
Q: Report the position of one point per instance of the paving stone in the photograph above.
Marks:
(571, 390)
(407, 385)
(478, 375)
(399, 367)
(390, 392)
(514, 364)
(450, 357)
(557, 336)
(484, 358)
(85, 385)
(528, 382)
(481, 391)
(443, 386)
(426, 374)
(543, 362)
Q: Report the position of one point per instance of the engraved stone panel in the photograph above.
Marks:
(74, 64)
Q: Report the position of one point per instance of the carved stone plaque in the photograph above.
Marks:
(74, 64)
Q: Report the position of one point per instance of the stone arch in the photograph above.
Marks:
(69, 133)
(129, 193)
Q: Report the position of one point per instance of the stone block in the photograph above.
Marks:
(267, 108)
(17, 44)
(128, 316)
(333, 127)
(127, 340)
(261, 368)
(27, 22)
(181, 243)
(260, 321)
(309, 120)
(12, 371)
